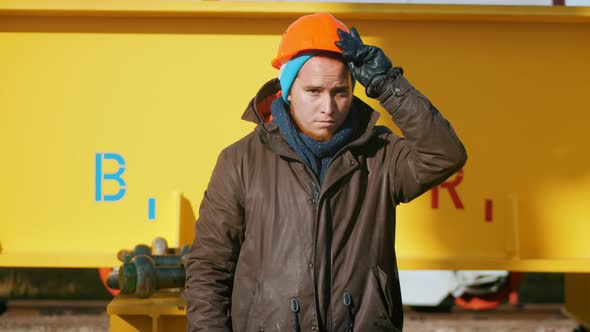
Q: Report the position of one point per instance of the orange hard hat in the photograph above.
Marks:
(309, 32)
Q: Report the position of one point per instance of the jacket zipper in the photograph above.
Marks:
(316, 198)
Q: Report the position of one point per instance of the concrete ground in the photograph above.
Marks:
(534, 318)
(93, 318)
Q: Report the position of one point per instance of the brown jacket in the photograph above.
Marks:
(274, 251)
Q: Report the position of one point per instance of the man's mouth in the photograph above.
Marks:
(326, 122)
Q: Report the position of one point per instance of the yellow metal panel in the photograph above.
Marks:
(140, 95)
(162, 84)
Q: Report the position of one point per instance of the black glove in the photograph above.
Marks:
(369, 64)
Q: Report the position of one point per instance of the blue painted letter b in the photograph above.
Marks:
(100, 177)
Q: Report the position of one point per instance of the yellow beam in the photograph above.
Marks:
(216, 9)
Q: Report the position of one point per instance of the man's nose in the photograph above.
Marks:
(328, 104)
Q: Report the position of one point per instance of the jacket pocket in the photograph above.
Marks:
(385, 289)
(373, 311)
(383, 321)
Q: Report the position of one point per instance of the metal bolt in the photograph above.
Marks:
(142, 277)
(159, 260)
(142, 249)
(159, 246)
(113, 279)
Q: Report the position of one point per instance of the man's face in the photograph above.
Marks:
(321, 96)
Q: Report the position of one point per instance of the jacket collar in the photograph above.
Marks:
(258, 111)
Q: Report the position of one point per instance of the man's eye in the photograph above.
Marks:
(313, 91)
(342, 93)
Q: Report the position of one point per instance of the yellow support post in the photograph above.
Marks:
(577, 297)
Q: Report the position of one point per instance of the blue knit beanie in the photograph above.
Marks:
(289, 72)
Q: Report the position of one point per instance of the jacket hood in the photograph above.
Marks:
(258, 110)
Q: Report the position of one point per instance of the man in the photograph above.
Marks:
(296, 230)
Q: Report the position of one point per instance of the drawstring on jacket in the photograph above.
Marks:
(347, 300)
(295, 309)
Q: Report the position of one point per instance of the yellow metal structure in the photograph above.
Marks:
(577, 297)
(161, 312)
(166, 311)
(114, 112)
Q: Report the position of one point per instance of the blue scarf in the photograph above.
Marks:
(317, 155)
